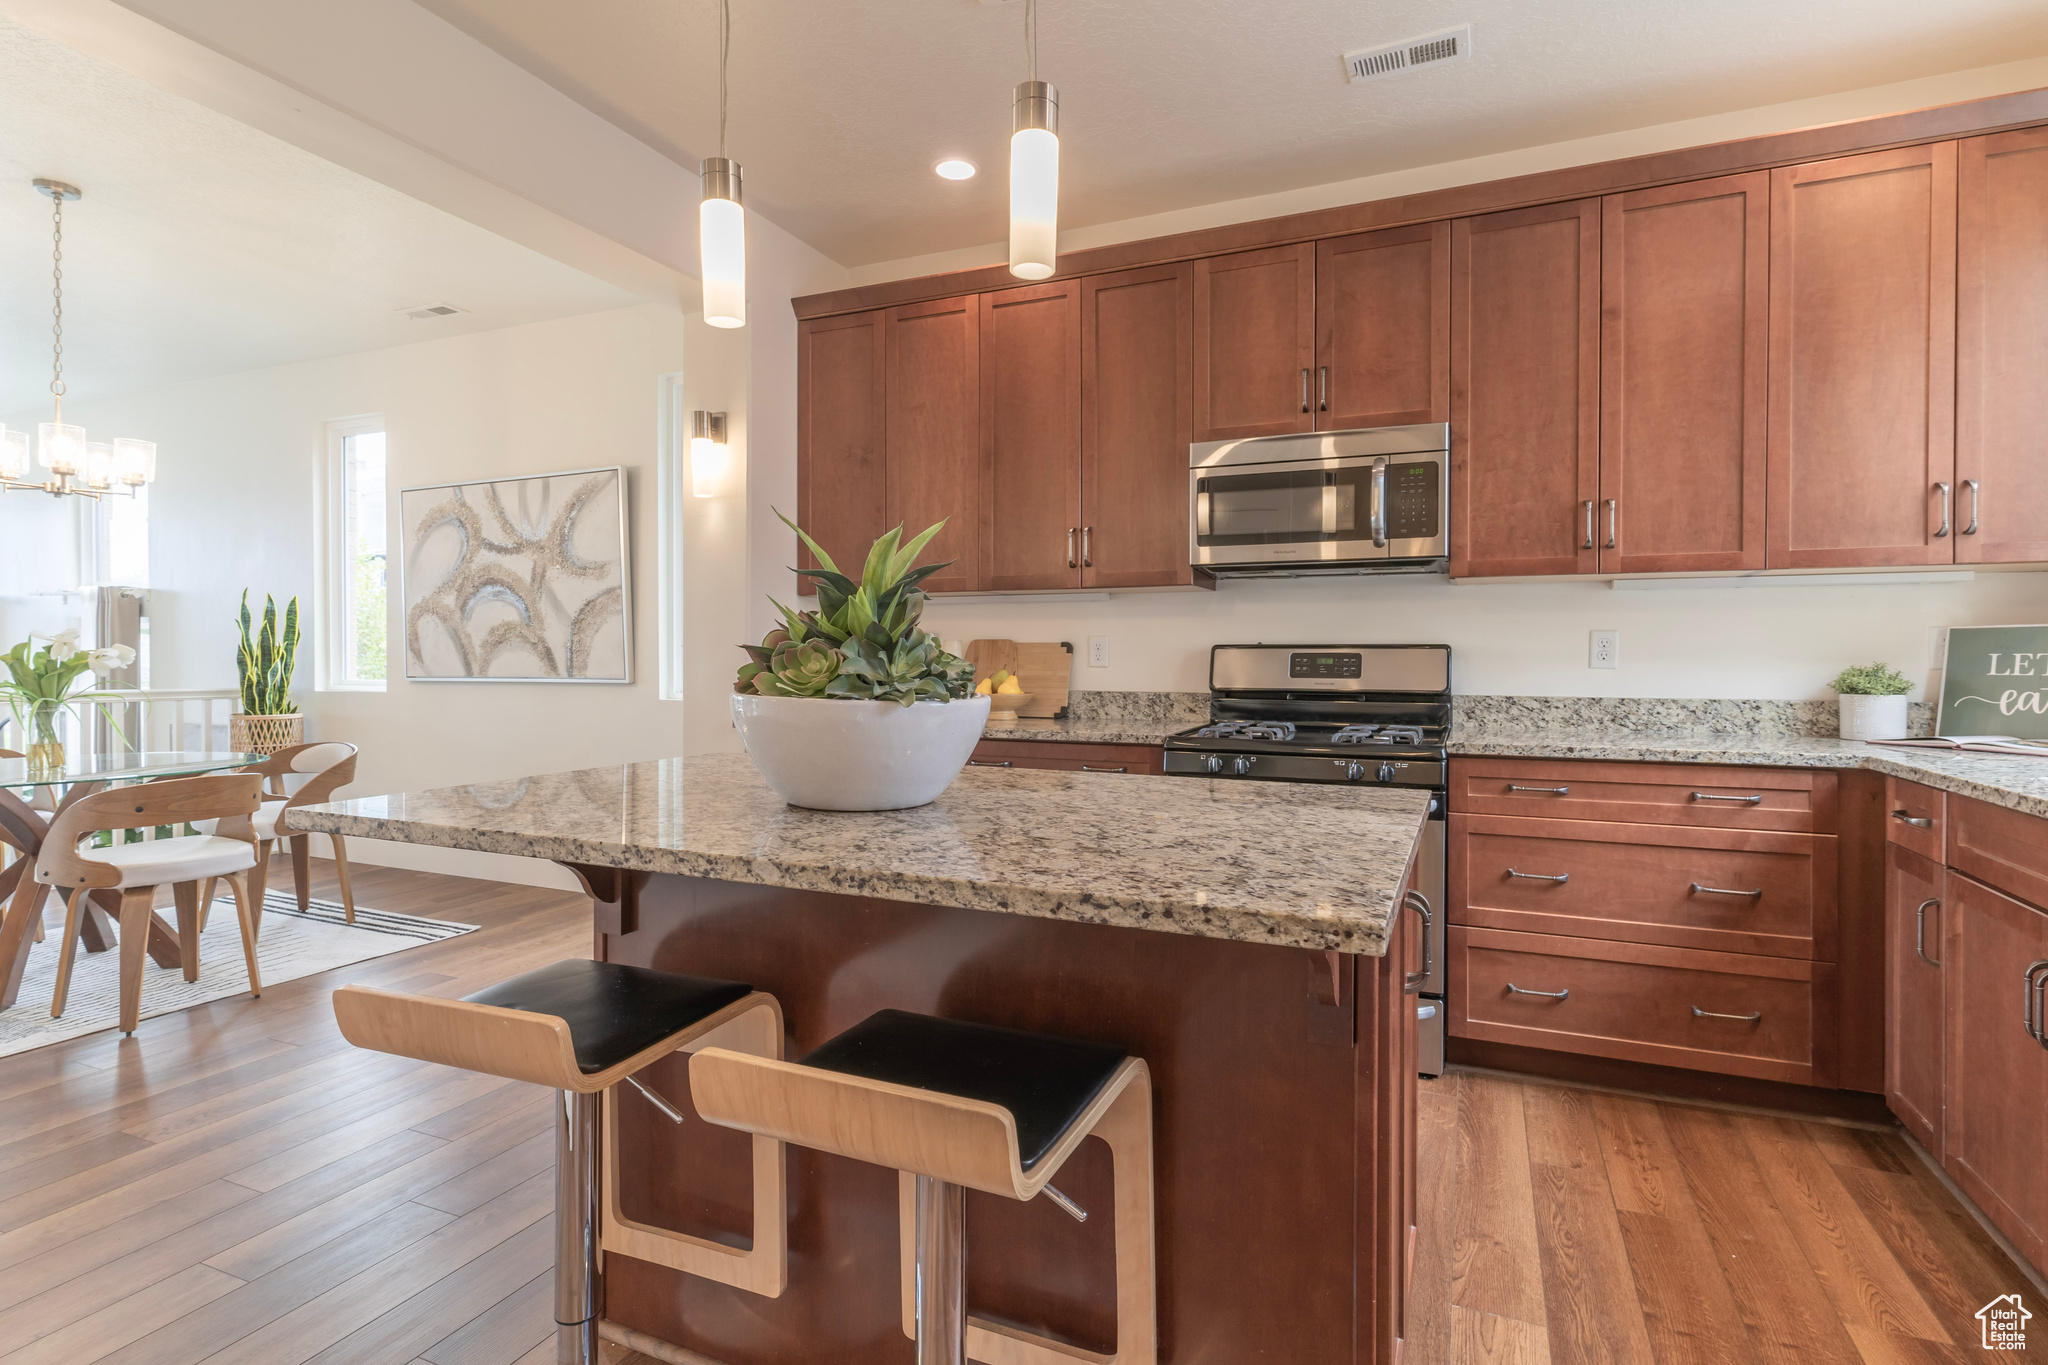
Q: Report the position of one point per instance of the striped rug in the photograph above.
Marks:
(289, 946)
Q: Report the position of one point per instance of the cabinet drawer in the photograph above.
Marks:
(1794, 800)
(1735, 891)
(2004, 848)
(1641, 1003)
(1906, 806)
(1062, 756)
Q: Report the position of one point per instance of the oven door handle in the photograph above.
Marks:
(1379, 503)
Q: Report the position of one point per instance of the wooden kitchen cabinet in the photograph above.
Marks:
(1255, 343)
(1058, 755)
(1525, 391)
(2002, 348)
(1684, 366)
(1383, 328)
(1914, 1007)
(1862, 385)
(1137, 421)
(932, 388)
(1031, 437)
(1996, 1080)
(842, 484)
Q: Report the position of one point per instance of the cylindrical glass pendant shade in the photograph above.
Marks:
(1035, 182)
(99, 464)
(134, 461)
(710, 457)
(60, 447)
(722, 232)
(14, 455)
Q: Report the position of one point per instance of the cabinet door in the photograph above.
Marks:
(1684, 361)
(1031, 437)
(1913, 999)
(1525, 391)
(1383, 328)
(932, 378)
(2002, 349)
(1254, 343)
(841, 487)
(1137, 421)
(1997, 1074)
(1862, 443)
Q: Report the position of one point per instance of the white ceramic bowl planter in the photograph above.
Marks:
(1866, 717)
(858, 755)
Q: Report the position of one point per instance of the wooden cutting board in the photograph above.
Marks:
(1043, 669)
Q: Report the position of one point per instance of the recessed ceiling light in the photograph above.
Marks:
(953, 168)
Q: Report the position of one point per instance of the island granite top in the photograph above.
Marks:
(1257, 862)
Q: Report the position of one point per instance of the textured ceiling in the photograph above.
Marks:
(839, 109)
(204, 247)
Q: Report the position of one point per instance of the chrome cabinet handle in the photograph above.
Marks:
(1699, 1013)
(1943, 530)
(2033, 977)
(1322, 388)
(1588, 505)
(1612, 507)
(1070, 549)
(1304, 388)
(1976, 496)
(1086, 769)
(1558, 791)
(1087, 547)
(1564, 994)
(1379, 504)
(1698, 889)
(1419, 903)
(1745, 800)
(987, 763)
(1560, 878)
(1916, 821)
(1920, 930)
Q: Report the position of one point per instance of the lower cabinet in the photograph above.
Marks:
(1914, 915)
(1064, 756)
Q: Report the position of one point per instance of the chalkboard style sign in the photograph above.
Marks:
(1995, 682)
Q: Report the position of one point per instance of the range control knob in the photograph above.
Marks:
(1354, 772)
(1241, 765)
(1386, 772)
(1214, 763)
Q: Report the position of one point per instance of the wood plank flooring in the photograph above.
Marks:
(237, 1185)
(1573, 1226)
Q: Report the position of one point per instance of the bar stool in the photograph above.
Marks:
(955, 1106)
(582, 1028)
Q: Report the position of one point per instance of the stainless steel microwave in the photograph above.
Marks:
(1326, 502)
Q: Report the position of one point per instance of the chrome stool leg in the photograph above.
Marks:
(941, 1272)
(579, 1285)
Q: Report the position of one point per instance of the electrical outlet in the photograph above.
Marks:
(1098, 651)
(1606, 649)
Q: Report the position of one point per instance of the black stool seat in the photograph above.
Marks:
(612, 1010)
(1044, 1082)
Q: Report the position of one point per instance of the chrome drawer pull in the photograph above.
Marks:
(1699, 1013)
(1560, 878)
(1920, 930)
(2033, 977)
(1565, 994)
(1556, 791)
(985, 763)
(1086, 769)
(1916, 821)
(1745, 800)
(1701, 890)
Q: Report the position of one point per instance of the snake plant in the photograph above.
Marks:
(263, 665)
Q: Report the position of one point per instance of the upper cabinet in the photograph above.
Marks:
(2002, 349)
(932, 432)
(1685, 282)
(1863, 293)
(1031, 437)
(1137, 421)
(1255, 343)
(841, 482)
(1525, 391)
(1383, 328)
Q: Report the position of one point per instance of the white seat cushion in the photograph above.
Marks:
(263, 823)
(160, 862)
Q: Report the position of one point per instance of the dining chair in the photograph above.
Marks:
(9, 855)
(229, 800)
(297, 775)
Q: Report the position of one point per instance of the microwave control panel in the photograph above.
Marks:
(1412, 511)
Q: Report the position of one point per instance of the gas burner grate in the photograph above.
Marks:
(1378, 734)
(1247, 729)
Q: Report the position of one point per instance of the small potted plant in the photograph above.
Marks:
(42, 684)
(1873, 701)
(269, 719)
(851, 706)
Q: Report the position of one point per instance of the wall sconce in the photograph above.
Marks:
(709, 455)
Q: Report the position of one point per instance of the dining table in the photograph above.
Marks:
(25, 822)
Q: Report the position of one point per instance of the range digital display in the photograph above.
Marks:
(1311, 665)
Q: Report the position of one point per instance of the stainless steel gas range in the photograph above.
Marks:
(1364, 715)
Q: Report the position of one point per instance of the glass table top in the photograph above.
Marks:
(123, 767)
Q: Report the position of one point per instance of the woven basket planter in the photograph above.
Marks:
(265, 734)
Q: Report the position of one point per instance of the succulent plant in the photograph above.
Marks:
(862, 641)
(1871, 680)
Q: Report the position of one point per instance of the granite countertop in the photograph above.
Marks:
(1257, 862)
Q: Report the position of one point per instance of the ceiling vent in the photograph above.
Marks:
(1391, 59)
(431, 310)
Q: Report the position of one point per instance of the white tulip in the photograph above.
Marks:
(111, 657)
(62, 648)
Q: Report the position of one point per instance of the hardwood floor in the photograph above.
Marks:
(1577, 1226)
(238, 1185)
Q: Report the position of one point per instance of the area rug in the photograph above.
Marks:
(289, 946)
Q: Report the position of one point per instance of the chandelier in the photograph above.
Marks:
(74, 465)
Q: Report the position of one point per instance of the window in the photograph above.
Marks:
(353, 636)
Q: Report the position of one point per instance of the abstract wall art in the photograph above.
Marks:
(518, 580)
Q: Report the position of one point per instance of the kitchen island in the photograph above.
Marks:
(1247, 940)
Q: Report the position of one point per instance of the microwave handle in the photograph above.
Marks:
(1379, 504)
(1201, 510)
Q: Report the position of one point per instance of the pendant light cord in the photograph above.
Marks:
(1030, 40)
(724, 49)
(57, 303)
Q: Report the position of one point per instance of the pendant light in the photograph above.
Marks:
(1034, 166)
(721, 222)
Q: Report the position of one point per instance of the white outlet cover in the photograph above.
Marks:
(1604, 650)
(1098, 651)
